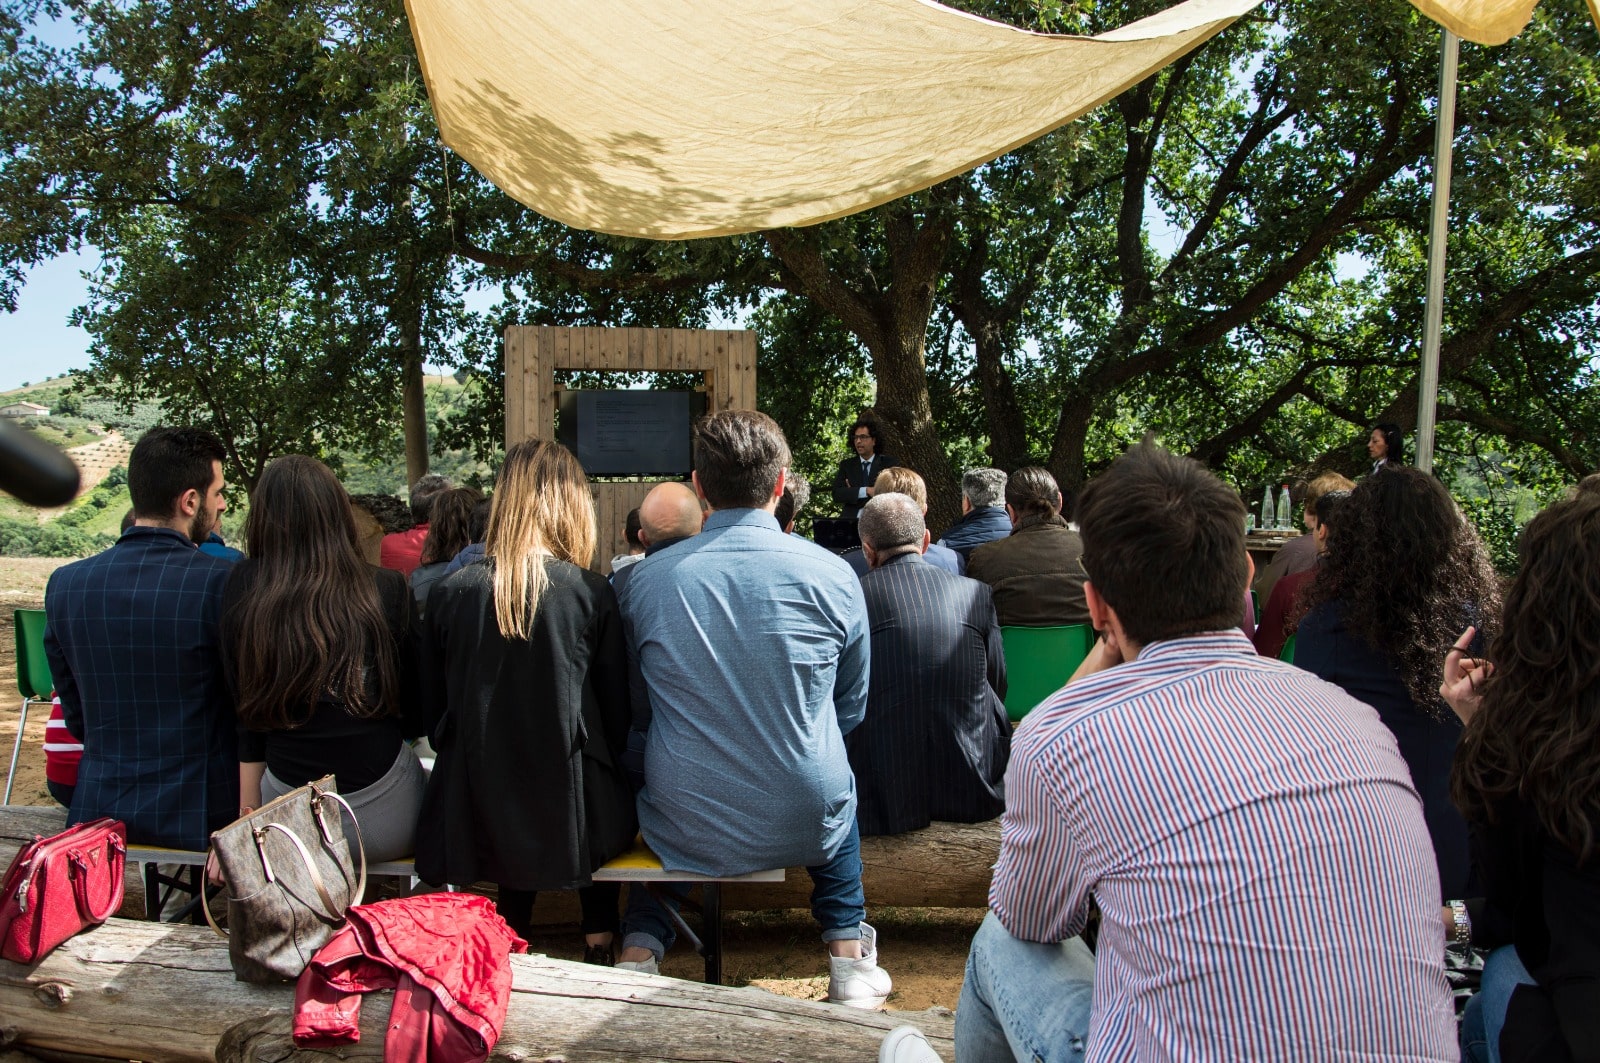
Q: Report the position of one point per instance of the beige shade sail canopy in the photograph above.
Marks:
(686, 118)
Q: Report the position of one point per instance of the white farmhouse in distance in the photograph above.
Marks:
(24, 409)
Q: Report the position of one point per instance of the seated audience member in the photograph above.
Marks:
(523, 651)
(1404, 575)
(758, 642)
(1300, 553)
(62, 751)
(1527, 776)
(983, 512)
(1278, 618)
(316, 642)
(473, 551)
(935, 739)
(449, 533)
(901, 480)
(216, 547)
(669, 514)
(402, 551)
(1209, 802)
(1033, 572)
(134, 647)
(796, 493)
(630, 532)
(377, 516)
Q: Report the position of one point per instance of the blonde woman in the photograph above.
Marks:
(523, 652)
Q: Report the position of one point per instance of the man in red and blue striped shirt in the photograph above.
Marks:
(1250, 833)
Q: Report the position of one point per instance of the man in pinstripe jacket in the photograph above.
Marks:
(936, 738)
(133, 643)
(1250, 834)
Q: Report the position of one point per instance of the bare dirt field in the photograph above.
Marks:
(924, 949)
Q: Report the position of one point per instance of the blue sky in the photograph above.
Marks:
(38, 340)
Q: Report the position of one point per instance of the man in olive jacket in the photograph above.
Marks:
(1034, 571)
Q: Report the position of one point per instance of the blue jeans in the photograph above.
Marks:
(838, 902)
(1022, 1000)
(1486, 1011)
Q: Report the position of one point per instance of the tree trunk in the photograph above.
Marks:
(900, 368)
(1008, 437)
(414, 414)
(133, 990)
(1068, 463)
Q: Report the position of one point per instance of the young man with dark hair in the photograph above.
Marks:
(1034, 571)
(749, 647)
(131, 635)
(1249, 833)
(852, 484)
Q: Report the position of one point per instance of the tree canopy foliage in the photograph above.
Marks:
(1230, 254)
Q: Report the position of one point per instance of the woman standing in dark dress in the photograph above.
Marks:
(524, 652)
(1403, 575)
(1528, 778)
(314, 644)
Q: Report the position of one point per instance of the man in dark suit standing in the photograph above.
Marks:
(132, 639)
(935, 740)
(852, 484)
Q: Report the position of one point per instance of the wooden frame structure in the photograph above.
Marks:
(724, 358)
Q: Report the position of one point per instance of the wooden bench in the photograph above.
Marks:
(637, 865)
(641, 865)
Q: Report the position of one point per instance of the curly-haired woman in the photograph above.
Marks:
(1403, 575)
(1528, 777)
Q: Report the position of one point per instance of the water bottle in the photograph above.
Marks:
(1284, 507)
(1268, 513)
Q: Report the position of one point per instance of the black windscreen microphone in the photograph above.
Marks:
(33, 471)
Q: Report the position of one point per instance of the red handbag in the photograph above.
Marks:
(58, 885)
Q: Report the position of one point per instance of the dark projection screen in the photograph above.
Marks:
(630, 433)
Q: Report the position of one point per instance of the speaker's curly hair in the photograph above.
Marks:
(1410, 573)
(1537, 733)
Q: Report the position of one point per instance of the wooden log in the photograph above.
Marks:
(137, 990)
(945, 865)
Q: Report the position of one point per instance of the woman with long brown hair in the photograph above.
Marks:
(449, 533)
(1404, 573)
(314, 642)
(1528, 778)
(524, 652)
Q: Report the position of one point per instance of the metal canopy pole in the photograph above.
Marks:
(1438, 236)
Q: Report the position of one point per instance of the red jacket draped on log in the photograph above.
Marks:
(446, 956)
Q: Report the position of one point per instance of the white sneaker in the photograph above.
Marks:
(649, 966)
(859, 983)
(906, 1044)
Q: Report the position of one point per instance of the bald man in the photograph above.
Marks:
(669, 514)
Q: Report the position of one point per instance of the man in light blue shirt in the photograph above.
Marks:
(750, 648)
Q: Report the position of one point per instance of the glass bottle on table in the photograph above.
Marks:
(1268, 512)
(1284, 521)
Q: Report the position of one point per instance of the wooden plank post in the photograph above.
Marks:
(725, 358)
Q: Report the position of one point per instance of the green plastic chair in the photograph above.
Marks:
(1287, 653)
(33, 675)
(1039, 661)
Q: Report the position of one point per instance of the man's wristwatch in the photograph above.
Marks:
(1462, 933)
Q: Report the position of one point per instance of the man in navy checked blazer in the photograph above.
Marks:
(133, 643)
